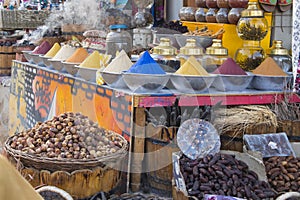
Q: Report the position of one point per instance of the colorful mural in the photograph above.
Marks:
(38, 94)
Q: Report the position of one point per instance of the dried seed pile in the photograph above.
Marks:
(69, 135)
(222, 174)
(283, 173)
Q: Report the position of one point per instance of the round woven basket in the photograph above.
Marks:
(69, 165)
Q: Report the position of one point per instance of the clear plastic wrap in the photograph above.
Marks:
(197, 138)
(269, 145)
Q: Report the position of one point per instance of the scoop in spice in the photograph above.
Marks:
(146, 65)
(230, 67)
(270, 68)
(192, 67)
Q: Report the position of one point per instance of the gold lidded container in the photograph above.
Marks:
(165, 55)
(252, 25)
(216, 54)
(280, 55)
(190, 49)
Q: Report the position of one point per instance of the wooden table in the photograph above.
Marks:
(38, 94)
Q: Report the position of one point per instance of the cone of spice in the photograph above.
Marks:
(121, 63)
(78, 56)
(269, 68)
(146, 65)
(229, 67)
(192, 67)
(64, 53)
(42, 48)
(52, 52)
(92, 61)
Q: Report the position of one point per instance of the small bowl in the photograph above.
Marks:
(201, 41)
(226, 83)
(56, 64)
(88, 74)
(114, 80)
(28, 56)
(145, 83)
(36, 58)
(270, 83)
(70, 67)
(46, 61)
(192, 84)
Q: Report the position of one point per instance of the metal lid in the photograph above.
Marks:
(191, 48)
(164, 48)
(278, 49)
(217, 48)
(252, 10)
(117, 26)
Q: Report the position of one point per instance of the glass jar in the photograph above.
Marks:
(190, 49)
(187, 14)
(223, 3)
(234, 15)
(250, 56)
(200, 3)
(200, 15)
(238, 3)
(118, 39)
(211, 4)
(165, 55)
(252, 25)
(211, 15)
(281, 56)
(215, 56)
(222, 16)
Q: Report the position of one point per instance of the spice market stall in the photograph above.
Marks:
(138, 103)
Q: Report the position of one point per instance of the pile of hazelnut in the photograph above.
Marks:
(69, 135)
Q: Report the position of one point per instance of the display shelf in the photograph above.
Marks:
(230, 38)
(38, 94)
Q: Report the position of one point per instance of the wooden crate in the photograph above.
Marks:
(291, 128)
(7, 55)
(20, 19)
(160, 143)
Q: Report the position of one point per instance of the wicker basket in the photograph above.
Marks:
(80, 178)
(69, 165)
(20, 19)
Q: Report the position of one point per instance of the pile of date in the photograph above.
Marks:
(223, 174)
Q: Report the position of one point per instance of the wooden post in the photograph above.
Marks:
(138, 144)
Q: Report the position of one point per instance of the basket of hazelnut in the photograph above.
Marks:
(68, 142)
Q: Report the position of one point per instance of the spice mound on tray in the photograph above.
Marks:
(54, 49)
(222, 174)
(68, 136)
(230, 67)
(119, 64)
(146, 65)
(78, 56)
(192, 67)
(42, 48)
(269, 68)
